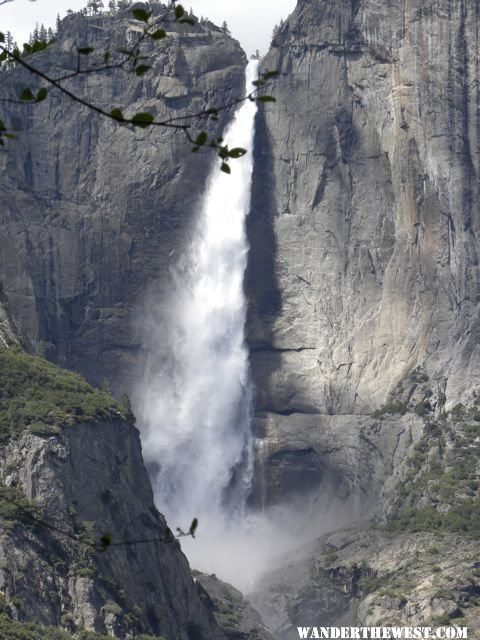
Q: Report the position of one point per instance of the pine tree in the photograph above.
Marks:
(42, 32)
(35, 35)
(225, 28)
(93, 6)
(112, 6)
(9, 44)
(57, 25)
(277, 28)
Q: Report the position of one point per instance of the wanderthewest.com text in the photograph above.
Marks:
(381, 633)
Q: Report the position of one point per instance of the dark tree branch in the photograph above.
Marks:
(142, 120)
(106, 540)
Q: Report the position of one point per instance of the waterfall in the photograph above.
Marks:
(195, 400)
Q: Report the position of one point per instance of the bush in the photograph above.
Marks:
(44, 398)
(391, 408)
(14, 630)
(14, 507)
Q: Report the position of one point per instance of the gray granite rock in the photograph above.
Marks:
(92, 212)
(8, 333)
(365, 215)
(363, 271)
(371, 578)
(233, 612)
(340, 463)
(86, 481)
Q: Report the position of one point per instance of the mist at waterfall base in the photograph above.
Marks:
(194, 400)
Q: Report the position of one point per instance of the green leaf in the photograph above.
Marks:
(2, 126)
(159, 34)
(193, 527)
(142, 68)
(41, 94)
(195, 149)
(201, 138)
(10, 136)
(266, 99)
(27, 48)
(189, 21)
(238, 152)
(2, 37)
(179, 12)
(105, 541)
(258, 83)
(27, 95)
(85, 51)
(3, 56)
(106, 57)
(117, 114)
(271, 74)
(212, 111)
(143, 119)
(225, 168)
(140, 14)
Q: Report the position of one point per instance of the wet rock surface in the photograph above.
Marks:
(372, 578)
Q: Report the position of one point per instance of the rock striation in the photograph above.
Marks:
(365, 215)
(73, 487)
(371, 578)
(233, 612)
(363, 272)
(8, 333)
(92, 212)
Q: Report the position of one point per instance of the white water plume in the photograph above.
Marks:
(194, 403)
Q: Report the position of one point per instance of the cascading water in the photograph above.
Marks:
(195, 398)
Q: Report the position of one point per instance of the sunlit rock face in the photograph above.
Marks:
(93, 212)
(366, 195)
(87, 480)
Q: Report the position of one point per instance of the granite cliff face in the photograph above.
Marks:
(363, 323)
(92, 212)
(71, 472)
(367, 197)
(363, 273)
(87, 480)
(372, 578)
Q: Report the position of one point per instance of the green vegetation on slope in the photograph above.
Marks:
(13, 630)
(14, 507)
(440, 491)
(39, 396)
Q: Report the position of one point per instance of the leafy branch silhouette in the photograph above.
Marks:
(133, 61)
(105, 540)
